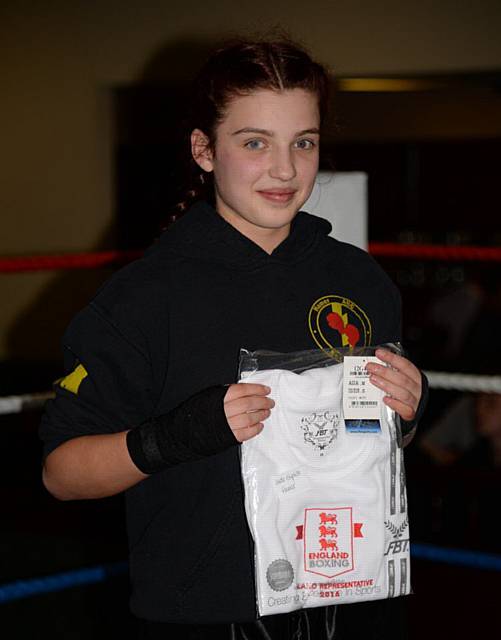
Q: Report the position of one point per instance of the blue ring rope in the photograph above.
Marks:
(458, 557)
(20, 589)
(59, 581)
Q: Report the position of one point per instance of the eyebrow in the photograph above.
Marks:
(266, 132)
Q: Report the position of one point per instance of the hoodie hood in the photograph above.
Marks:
(204, 235)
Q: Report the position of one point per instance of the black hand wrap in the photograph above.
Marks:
(408, 425)
(196, 428)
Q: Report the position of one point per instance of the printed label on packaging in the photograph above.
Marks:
(363, 426)
(361, 399)
(286, 483)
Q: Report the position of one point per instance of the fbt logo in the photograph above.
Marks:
(320, 429)
(397, 546)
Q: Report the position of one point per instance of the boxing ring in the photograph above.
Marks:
(20, 403)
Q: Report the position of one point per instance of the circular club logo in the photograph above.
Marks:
(280, 575)
(337, 322)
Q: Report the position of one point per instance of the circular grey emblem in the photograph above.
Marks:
(280, 575)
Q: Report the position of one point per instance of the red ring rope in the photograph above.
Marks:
(435, 252)
(66, 261)
(110, 258)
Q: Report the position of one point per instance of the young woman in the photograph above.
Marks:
(145, 406)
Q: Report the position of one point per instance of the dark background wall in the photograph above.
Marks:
(86, 116)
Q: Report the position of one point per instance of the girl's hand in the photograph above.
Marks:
(401, 381)
(246, 406)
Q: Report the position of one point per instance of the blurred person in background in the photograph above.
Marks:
(468, 433)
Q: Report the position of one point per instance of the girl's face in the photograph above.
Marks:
(265, 161)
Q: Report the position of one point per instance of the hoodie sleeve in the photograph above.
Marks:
(107, 383)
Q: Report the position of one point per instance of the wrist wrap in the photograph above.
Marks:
(196, 428)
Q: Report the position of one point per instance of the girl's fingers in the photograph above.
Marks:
(244, 389)
(400, 363)
(404, 410)
(401, 380)
(247, 404)
(246, 434)
(401, 393)
(246, 420)
(393, 377)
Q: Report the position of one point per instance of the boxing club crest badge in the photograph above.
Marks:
(337, 322)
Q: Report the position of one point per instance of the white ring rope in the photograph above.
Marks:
(464, 382)
(19, 404)
(437, 380)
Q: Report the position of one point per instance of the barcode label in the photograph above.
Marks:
(361, 399)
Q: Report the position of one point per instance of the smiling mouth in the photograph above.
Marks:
(278, 195)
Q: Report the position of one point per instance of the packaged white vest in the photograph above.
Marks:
(325, 497)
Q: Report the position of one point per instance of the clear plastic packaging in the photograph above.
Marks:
(324, 482)
(299, 361)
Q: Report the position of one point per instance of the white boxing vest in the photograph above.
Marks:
(326, 506)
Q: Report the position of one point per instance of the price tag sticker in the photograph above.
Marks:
(361, 399)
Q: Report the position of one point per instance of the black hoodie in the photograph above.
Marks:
(171, 324)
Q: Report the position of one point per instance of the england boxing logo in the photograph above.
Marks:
(328, 540)
(320, 429)
(335, 321)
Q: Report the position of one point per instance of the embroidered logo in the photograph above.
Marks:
(335, 321)
(320, 429)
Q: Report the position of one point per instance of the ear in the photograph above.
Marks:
(200, 150)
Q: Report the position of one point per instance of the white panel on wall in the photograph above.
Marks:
(341, 198)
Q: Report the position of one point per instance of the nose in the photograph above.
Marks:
(282, 165)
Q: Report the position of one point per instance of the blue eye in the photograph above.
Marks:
(255, 145)
(304, 144)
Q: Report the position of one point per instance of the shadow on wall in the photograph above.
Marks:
(147, 115)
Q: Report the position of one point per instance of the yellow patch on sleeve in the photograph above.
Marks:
(74, 379)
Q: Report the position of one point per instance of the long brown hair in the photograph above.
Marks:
(238, 69)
